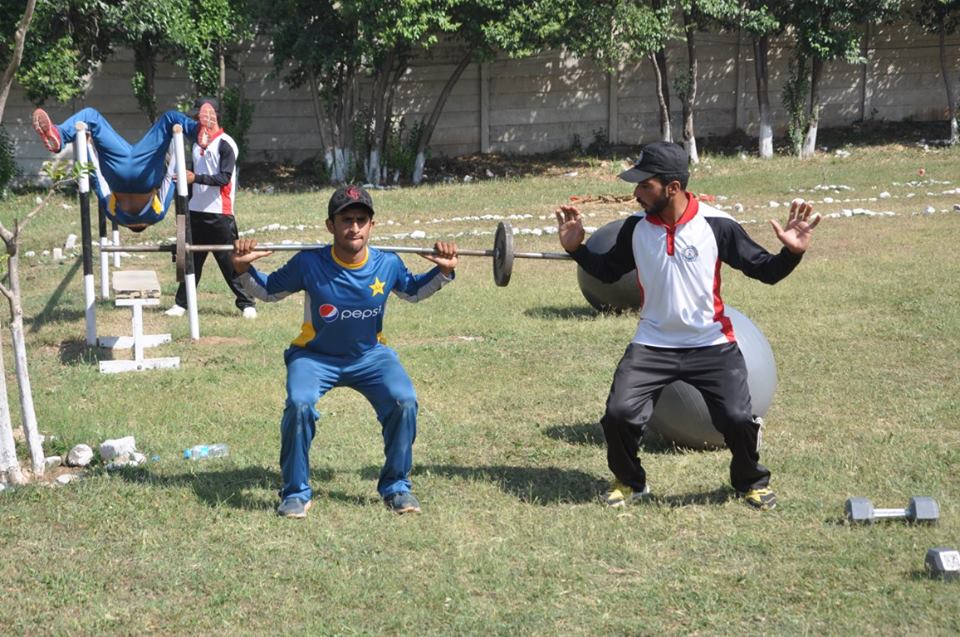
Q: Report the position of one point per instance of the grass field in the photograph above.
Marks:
(510, 458)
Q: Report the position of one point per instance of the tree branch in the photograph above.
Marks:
(20, 39)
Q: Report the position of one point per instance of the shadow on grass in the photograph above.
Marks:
(75, 351)
(50, 312)
(534, 485)
(238, 487)
(554, 313)
(717, 496)
(591, 433)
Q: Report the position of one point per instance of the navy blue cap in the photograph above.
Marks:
(665, 159)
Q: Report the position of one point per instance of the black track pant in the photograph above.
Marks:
(718, 372)
(212, 228)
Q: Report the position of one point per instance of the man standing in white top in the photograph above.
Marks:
(212, 219)
(677, 245)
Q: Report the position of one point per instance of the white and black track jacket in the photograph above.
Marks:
(678, 272)
(215, 176)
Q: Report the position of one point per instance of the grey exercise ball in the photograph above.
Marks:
(618, 296)
(680, 414)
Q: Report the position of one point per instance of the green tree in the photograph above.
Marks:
(484, 28)
(942, 17)
(328, 46)
(154, 30)
(825, 31)
(756, 18)
(315, 44)
(617, 32)
(65, 42)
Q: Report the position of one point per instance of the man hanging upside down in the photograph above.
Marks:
(134, 182)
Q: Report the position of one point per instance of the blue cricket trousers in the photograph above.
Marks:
(129, 168)
(379, 376)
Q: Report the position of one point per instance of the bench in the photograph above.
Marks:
(136, 289)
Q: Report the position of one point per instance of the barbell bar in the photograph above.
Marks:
(502, 253)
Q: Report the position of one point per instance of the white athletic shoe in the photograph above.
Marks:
(250, 312)
(176, 310)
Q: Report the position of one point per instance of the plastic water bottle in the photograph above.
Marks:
(202, 452)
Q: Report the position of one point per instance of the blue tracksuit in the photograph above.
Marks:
(122, 167)
(340, 345)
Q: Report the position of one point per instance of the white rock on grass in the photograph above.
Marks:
(929, 210)
(80, 456)
(71, 242)
(29, 254)
(52, 461)
(116, 448)
(774, 204)
(418, 234)
(738, 208)
(58, 254)
(884, 195)
(67, 478)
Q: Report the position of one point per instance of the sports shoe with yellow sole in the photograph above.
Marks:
(619, 495)
(763, 498)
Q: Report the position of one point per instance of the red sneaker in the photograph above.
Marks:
(209, 125)
(48, 133)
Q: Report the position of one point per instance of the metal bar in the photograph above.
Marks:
(296, 247)
(275, 247)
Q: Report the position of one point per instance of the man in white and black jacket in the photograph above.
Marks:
(212, 218)
(676, 244)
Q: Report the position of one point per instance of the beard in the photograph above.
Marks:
(658, 206)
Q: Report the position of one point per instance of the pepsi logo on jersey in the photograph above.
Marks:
(329, 313)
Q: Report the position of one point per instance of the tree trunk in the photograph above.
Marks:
(9, 465)
(813, 119)
(322, 116)
(430, 124)
(19, 38)
(222, 76)
(144, 61)
(378, 123)
(761, 46)
(29, 415)
(689, 138)
(951, 97)
(662, 101)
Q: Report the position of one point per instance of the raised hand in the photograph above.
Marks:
(570, 225)
(797, 233)
(244, 253)
(445, 257)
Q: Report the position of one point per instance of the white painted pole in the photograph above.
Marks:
(105, 269)
(89, 294)
(189, 279)
(116, 242)
(138, 332)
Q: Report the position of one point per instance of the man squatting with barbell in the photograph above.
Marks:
(341, 344)
(676, 244)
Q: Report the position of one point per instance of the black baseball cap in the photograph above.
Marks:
(347, 196)
(664, 159)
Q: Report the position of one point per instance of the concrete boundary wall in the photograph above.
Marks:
(547, 102)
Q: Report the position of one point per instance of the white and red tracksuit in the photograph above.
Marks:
(683, 333)
(212, 219)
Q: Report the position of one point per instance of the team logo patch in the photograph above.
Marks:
(329, 313)
(689, 253)
(353, 192)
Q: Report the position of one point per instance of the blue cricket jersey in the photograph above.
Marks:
(344, 303)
